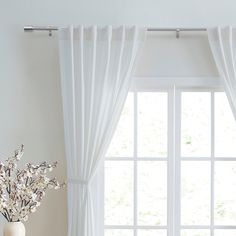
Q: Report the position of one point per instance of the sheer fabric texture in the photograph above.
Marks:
(223, 46)
(96, 71)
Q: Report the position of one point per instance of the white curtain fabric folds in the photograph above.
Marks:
(96, 66)
(223, 46)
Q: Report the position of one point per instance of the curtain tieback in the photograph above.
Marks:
(78, 181)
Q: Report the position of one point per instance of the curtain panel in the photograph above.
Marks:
(96, 70)
(222, 42)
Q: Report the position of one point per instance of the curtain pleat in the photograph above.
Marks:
(96, 71)
(223, 47)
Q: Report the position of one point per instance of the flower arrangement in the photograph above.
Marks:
(21, 191)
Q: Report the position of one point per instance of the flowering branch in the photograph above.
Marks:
(21, 191)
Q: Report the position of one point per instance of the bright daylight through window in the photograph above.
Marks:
(171, 166)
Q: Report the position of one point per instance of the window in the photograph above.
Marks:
(171, 166)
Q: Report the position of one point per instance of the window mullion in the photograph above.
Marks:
(212, 159)
(171, 167)
(177, 162)
(135, 162)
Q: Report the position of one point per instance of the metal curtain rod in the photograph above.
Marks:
(31, 28)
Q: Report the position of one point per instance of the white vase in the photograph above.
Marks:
(14, 229)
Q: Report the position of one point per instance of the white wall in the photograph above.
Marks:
(30, 102)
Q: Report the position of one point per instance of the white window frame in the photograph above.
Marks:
(174, 87)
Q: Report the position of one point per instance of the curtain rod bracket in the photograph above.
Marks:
(177, 33)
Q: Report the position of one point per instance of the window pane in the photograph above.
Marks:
(196, 124)
(146, 232)
(195, 190)
(118, 232)
(118, 192)
(225, 232)
(195, 232)
(152, 124)
(225, 127)
(122, 142)
(152, 193)
(225, 193)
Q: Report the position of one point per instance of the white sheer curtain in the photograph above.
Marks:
(96, 66)
(223, 46)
